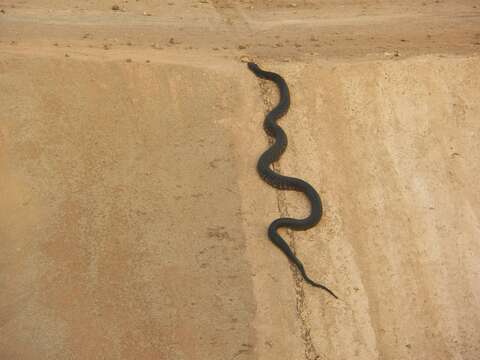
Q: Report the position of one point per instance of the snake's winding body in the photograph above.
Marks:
(284, 182)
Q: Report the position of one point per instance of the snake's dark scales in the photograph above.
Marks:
(284, 182)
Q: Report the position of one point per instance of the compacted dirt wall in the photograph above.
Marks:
(132, 219)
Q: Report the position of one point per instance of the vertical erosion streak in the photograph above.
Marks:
(302, 313)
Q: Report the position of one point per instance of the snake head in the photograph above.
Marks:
(252, 66)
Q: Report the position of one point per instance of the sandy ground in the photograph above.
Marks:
(132, 220)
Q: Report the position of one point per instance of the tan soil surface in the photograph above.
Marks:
(132, 220)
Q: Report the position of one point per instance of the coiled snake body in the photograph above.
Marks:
(284, 182)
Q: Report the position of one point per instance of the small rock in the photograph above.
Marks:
(115, 7)
(286, 60)
(129, 60)
(297, 45)
(129, 43)
(242, 47)
(313, 38)
(396, 53)
(2, 11)
(215, 49)
(55, 44)
(245, 59)
(292, 5)
(157, 46)
(146, 13)
(106, 47)
(147, 61)
(278, 45)
(86, 36)
(66, 55)
(204, 1)
(172, 41)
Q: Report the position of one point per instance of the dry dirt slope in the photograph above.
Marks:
(132, 222)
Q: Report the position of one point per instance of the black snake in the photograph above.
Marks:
(284, 182)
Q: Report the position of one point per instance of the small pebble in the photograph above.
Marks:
(241, 47)
(145, 13)
(147, 61)
(245, 59)
(129, 60)
(66, 55)
(115, 7)
(2, 11)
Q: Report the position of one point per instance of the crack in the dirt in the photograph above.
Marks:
(301, 308)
